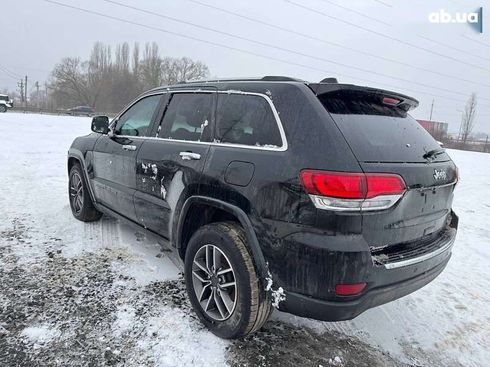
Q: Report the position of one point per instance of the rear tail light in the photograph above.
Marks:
(349, 289)
(352, 191)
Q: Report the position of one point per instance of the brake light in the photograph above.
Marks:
(352, 191)
(349, 289)
(334, 184)
(391, 101)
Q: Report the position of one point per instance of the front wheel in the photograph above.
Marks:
(222, 282)
(81, 204)
(3, 108)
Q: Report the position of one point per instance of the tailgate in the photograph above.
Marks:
(386, 139)
(423, 209)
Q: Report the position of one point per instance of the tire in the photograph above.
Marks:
(3, 108)
(81, 204)
(250, 305)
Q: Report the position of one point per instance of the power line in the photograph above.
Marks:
(466, 53)
(145, 11)
(474, 40)
(217, 44)
(307, 36)
(451, 47)
(10, 73)
(12, 77)
(356, 12)
(383, 35)
(383, 3)
(22, 67)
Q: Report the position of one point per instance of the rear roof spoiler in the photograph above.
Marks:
(406, 102)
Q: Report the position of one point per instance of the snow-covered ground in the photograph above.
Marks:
(102, 294)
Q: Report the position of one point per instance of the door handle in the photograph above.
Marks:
(129, 147)
(187, 156)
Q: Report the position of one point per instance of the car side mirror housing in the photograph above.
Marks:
(100, 124)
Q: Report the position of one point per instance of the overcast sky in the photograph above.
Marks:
(456, 59)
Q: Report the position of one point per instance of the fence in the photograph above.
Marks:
(49, 111)
(472, 145)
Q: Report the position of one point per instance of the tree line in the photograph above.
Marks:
(109, 79)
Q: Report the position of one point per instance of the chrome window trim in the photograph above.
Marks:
(282, 133)
(128, 106)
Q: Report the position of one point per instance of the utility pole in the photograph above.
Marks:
(46, 96)
(21, 89)
(26, 93)
(37, 94)
(431, 109)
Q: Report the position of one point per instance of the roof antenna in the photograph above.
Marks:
(330, 80)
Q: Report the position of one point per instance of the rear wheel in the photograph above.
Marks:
(222, 282)
(80, 201)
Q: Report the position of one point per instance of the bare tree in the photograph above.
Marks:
(69, 83)
(136, 59)
(468, 118)
(122, 57)
(181, 70)
(108, 84)
(151, 66)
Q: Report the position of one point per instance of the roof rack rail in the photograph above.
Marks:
(267, 78)
(279, 78)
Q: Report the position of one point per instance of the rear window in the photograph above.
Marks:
(246, 120)
(187, 116)
(377, 132)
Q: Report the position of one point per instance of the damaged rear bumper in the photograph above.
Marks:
(318, 309)
(400, 271)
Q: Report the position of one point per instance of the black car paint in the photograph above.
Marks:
(304, 250)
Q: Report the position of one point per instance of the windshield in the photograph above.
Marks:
(4, 98)
(377, 132)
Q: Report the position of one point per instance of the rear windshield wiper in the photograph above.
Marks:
(433, 153)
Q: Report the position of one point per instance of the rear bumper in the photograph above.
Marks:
(310, 285)
(318, 309)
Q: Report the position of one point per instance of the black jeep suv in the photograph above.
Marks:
(321, 199)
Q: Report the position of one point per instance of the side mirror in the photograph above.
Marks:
(100, 124)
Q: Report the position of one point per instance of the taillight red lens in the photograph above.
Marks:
(351, 185)
(349, 289)
(334, 184)
(383, 184)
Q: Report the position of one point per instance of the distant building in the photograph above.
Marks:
(438, 130)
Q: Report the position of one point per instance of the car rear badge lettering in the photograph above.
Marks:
(439, 174)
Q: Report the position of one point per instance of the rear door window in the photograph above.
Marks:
(187, 116)
(377, 132)
(246, 120)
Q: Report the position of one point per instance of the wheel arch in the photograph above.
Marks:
(188, 224)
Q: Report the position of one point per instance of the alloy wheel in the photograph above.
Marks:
(214, 282)
(76, 192)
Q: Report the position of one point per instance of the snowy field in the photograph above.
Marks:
(75, 294)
